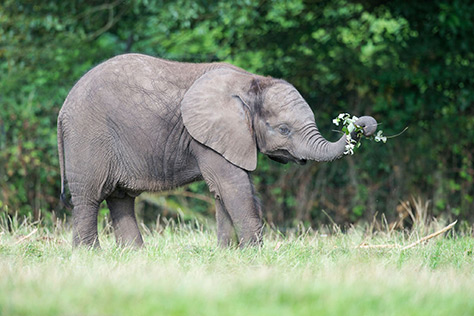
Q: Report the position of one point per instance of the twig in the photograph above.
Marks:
(393, 136)
(330, 218)
(278, 245)
(416, 243)
(377, 246)
(22, 239)
(105, 6)
(431, 236)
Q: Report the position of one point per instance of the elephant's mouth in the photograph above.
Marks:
(283, 156)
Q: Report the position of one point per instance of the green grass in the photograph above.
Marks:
(182, 272)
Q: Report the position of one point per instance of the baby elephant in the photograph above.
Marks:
(137, 123)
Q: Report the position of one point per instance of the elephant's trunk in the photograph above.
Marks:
(317, 148)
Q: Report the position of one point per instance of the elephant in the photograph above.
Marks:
(137, 123)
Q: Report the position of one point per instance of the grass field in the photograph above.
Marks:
(182, 272)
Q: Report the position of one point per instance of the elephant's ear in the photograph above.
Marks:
(215, 115)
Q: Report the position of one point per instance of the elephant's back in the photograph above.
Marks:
(131, 80)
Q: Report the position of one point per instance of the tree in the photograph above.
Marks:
(408, 64)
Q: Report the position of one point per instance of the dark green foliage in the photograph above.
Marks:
(409, 64)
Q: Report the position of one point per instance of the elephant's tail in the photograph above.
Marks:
(62, 197)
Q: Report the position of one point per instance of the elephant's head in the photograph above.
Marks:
(235, 112)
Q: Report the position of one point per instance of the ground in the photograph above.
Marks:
(182, 272)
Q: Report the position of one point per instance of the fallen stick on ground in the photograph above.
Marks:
(27, 236)
(419, 241)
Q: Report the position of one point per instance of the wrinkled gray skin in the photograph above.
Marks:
(136, 123)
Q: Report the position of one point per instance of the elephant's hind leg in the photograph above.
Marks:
(122, 211)
(85, 224)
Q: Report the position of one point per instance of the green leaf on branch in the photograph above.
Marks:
(349, 126)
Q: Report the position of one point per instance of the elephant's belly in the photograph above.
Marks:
(160, 162)
(161, 179)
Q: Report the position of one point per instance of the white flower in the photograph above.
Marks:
(379, 137)
(349, 149)
(351, 127)
(351, 143)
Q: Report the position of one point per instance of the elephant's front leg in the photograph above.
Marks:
(225, 228)
(238, 198)
(231, 186)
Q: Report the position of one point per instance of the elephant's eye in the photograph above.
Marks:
(284, 130)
